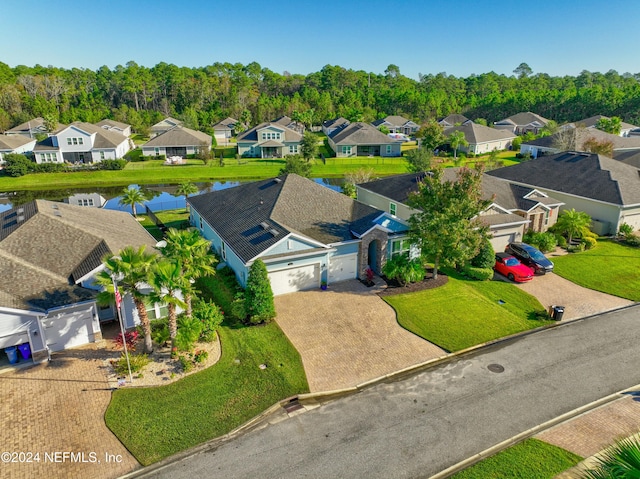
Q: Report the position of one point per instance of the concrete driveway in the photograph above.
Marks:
(57, 408)
(348, 335)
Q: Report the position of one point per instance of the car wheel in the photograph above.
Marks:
(511, 277)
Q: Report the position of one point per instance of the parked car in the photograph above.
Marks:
(531, 257)
(507, 265)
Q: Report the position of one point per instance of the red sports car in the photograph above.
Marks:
(513, 269)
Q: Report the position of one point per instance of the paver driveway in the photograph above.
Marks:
(59, 407)
(348, 335)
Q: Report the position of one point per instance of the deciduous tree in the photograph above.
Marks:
(309, 146)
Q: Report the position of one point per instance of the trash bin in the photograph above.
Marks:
(558, 312)
(25, 350)
(12, 353)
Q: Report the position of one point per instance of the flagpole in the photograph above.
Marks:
(116, 293)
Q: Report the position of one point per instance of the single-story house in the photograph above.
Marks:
(81, 143)
(363, 139)
(397, 124)
(178, 141)
(269, 140)
(522, 123)
(15, 144)
(116, 126)
(304, 232)
(606, 189)
(224, 130)
(626, 129)
(49, 255)
(574, 139)
(482, 139)
(33, 127)
(329, 126)
(455, 119)
(164, 125)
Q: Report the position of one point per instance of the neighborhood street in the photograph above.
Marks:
(430, 421)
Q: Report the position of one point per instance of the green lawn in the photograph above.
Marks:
(609, 267)
(530, 459)
(154, 423)
(465, 313)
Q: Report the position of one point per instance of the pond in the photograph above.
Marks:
(160, 196)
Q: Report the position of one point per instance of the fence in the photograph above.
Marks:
(155, 219)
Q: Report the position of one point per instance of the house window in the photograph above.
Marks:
(293, 148)
(388, 149)
(346, 150)
(223, 251)
(102, 155)
(75, 141)
(393, 208)
(546, 217)
(80, 141)
(201, 223)
(157, 151)
(400, 247)
(68, 141)
(289, 244)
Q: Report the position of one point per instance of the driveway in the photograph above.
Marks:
(348, 335)
(59, 407)
(579, 302)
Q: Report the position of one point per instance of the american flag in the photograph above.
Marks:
(118, 298)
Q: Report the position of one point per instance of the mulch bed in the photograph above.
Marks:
(393, 287)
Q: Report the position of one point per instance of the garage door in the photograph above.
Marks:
(500, 242)
(343, 267)
(67, 331)
(13, 340)
(295, 279)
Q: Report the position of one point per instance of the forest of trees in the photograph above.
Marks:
(202, 96)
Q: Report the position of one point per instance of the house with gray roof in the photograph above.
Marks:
(522, 123)
(329, 126)
(482, 139)
(626, 129)
(606, 189)
(33, 127)
(224, 130)
(270, 140)
(178, 141)
(164, 125)
(15, 144)
(116, 126)
(304, 232)
(397, 124)
(363, 139)
(49, 255)
(455, 119)
(577, 139)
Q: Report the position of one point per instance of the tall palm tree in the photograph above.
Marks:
(132, 268)
(168, 283)
(456, 140)
(131, 197)
(192, 252)
(620, 461)
(573, 223)
(185, 189)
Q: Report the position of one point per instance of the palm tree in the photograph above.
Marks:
(620, 461)
(573, 223)
(457, 139)
(192, 252)
(168, 283)
(185, 189)
(131, 268)
(132, 196)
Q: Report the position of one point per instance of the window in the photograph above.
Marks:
(201, 223)
(75, 141)
(157, 151)
(400, 248)
(346, 150)
(80, 141)
(293, 148)
(393, 208)
(102, 155)
(223, 251)
(546, 217)
(388, 149)
(68, 141)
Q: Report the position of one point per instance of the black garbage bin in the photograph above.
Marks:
(558, 312)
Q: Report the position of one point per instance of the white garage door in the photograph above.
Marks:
(343, 267)
(295, 279)
(500, 242)
(67, 331)
(13, 340)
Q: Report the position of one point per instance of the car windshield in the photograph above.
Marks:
(511, 262)
(537, 255)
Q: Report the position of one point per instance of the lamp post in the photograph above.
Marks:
(124, 338)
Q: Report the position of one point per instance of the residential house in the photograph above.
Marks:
(397, 124)
(522, 123)
(629, 157)
(575, 139)
(178, 141)
(164, 125)
(94, 200)
(224, 130)
(33, 127)
(606, 189)
(81, 143)
(15, 144)
(269, 140)
(116, 126)
(49, 256)
(363, 139)
(454, 119)
(482, 139)
(304, 232)
(289, 123)
(329, 126)
(626, 129)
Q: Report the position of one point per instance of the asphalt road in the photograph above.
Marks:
(422, 425)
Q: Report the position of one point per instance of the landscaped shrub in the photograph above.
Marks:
(577, 248)
(50, 168)
(589, 242)
(625, 230)
(210, 317)
(632, 240)
(403, 270)
(188, 333)
(545, 242)
(137, 362)
(16, 165)
(562, 241)
(130, 336)
(160, 334)
(258, 296)
(200, 356)
(479, 274)
(112, 164)
(185, 363)
(485, 257)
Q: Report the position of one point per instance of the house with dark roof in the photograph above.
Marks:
(482, 139)
(49, 255)
(329, 126)
(224, 130)
(304, 232)
(363, 139)
(522, 123)
(606, 189)
(15, 144)
(116, 126)
(178, 141)
(455, 119)
(270, 140)
(397, 124)
(164, 125)
(626, 129)
(33, 127)
(81, 143)
(577, 139)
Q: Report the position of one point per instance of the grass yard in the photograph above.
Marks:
(154, 423)
(171, 218)
(464, 313)
(610, 267)
(530, 459)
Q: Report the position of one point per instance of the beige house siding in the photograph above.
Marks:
(382, 203)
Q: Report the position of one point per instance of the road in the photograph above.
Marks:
(422, 425)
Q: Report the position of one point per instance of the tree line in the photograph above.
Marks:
(202, 96)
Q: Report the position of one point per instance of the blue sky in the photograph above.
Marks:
(458, 37)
